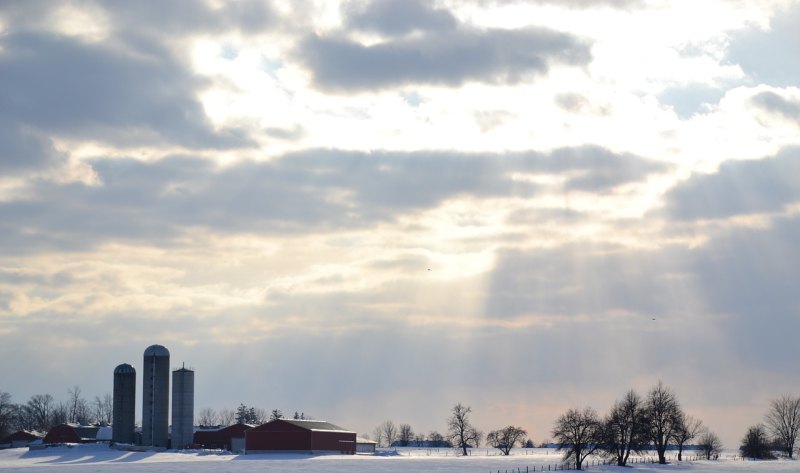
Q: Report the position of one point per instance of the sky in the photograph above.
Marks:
(369, 210)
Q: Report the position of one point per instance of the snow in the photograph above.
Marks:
(101, 458)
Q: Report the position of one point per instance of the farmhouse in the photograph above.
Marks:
(291, 435)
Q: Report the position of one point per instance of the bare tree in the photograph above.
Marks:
(389, 432)
(578, 434)
(460, 430)
(755, 443)
(108, 403)
(625, 429)
(260, 415)
(663, 413)
(710, 445)
(406, 435)
(506, 438)
(39, 410)
(783, 421)
(226, 416)
(22, 419)
(437, 440)
(73, 404)
(207, 416)
(377, 433)
(688, 429)
(98, 409)
(7, 411)
(59, 414)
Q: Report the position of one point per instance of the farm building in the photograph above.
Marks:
(74, 433)
(225, 438)
(291, 435)
(365, 445)
(20, 438)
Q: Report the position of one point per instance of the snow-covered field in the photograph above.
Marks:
(98, 458)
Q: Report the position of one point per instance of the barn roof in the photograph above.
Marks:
(315, 425)
(312, 425)
(21, 435)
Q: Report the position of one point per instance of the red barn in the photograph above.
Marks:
(222, 438)
(74, 433)
(21, 438)
(290, 435)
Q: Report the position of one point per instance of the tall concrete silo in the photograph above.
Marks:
(182, 407)
(155, 397)
(124, 411)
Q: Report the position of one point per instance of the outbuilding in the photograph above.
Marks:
(20, 438)
(365, 445)
(296, 435)
(225, 438)
(74, 433)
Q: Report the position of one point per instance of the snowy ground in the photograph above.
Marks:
(97, 458)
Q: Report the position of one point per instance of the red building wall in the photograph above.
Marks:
(221, 438)
(283, 436)
(62, 433)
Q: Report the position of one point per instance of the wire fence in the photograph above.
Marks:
(592, 462)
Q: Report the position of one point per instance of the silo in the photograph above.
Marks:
(182, 407)
(155, 397)
(124, 412)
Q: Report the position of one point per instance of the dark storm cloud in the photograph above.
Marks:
(65, 87)
(162, 200)
(738, 188)
(449, 58)
(397, 17)
(774, 103)
(770, 57)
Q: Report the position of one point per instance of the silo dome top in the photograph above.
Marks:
(124, 369)
(156, 350)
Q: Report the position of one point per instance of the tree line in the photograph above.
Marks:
(633, 424)
(243, 414)
(778, 432)
(42, 412)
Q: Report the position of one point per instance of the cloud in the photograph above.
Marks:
(774, 103)
(23, 150)
(738, 188)
(317, 189)
(65, 87)
(173, 19)
(449, 58)
(739, 284)
(397, 17)
(576, 4)
(770, 57)
(691, 99)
